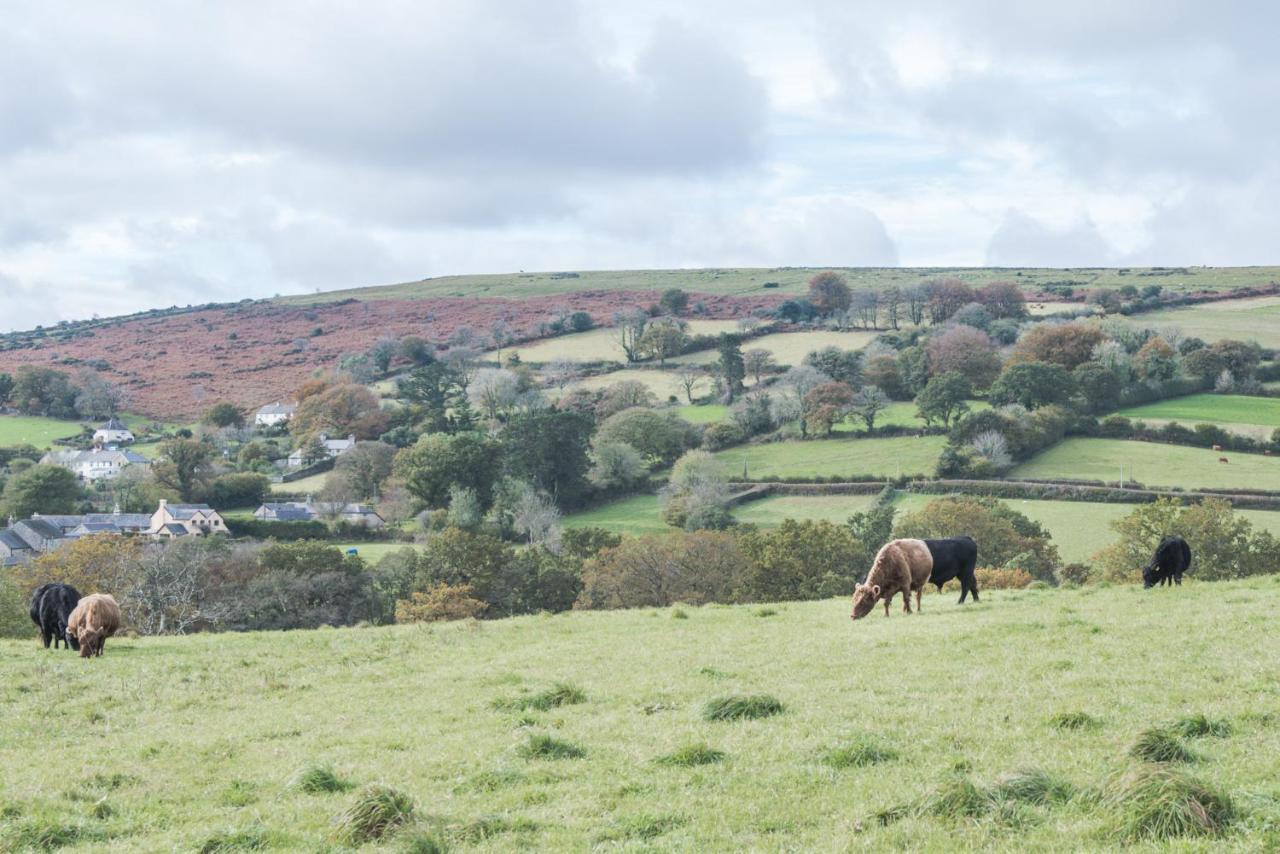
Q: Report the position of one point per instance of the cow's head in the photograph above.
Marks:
(89, 642)
(72, 640)
(865, 597)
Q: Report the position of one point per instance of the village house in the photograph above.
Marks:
(308, 511)
(30, 538)
(180, 520)
(112, 433)
(275, 414)
(96, 463)
(22, 541)
(333, 447)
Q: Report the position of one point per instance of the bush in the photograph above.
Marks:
(376, 811)
(721, 435)
(692, 755)
(1074, 574)
(440, 603)
(742, 707)
(1163, 803)
(1002, 579)
(15, 622)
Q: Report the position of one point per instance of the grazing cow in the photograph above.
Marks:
(51, 605)
(1171, 560)
(901, 566)
(1266, 453)
(955, 557)
(1222, 459)
(95, 619)
(1217, 447)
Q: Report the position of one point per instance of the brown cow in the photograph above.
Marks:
(1223, 459)
(901, 566)
(95, 618)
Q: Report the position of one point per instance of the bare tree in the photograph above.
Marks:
(758, 362)
(630, 326)
(166, 592)
(891, 299)
(535, 516)
(688, 376)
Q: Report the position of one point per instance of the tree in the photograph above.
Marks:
(494, 391)
(1156, 361)
(341, 410)
(366, 468)
(185, 467)
(98, 397)
(660, 437)
(967, 350)
(687, 378)
(45, 489)
(757, 362)
(383, 352)
(534, 515)
(913, 367)
(438, 461)
(867, 404)
(891, 299)
(731, 367)
(917, 299)
(95, 562)
(674, 301)
(1099, 387)
(1032, 384)
(663, 339)
(829, 292)
(658, 570)
(43, 391)
(800, 560)
(580, 321)
(866, 306)
(167, 591)
(548, 449)
(433, 390)
(841, 365)
(1239, 357)
(416, 350)
(623, 395)
(629, 327)
(223, 415)
(882, 372)
(1065, 344)
(617, 464)
(1003, 299)
(944, 297)
(6, 387)
(1007, 539)
(944, 397)
(697, 484)
(1204, 364)
(237, 489)
(825, 405)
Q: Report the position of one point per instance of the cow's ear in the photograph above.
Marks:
(875, 588)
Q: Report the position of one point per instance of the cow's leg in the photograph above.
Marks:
(906, 600)
(44, 636)
(919, 593)
(886, 605)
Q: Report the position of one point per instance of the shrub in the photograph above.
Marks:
(1002, 579)
(376, 811)
(559, 695)
(1196, 726)
(858, 752)
(691, 755)
(547, 747)
(1164, 803)
(441, 602)
(742, 707)
(1161, 745)
(1074, 573)
(315, 779)
(1073, 720)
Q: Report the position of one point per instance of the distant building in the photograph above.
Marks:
(180, 520)
(97, 463)
(274, 414)
(333, 447)
(112, 433)
(24, 540)
(308, 511)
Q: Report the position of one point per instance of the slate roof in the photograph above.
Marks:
(113, 424)
(187, 511)
(11, 539)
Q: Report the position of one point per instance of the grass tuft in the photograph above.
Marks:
(1197, 726)
(858, 752)
(424, 843)
(691, 755)
(560, 694)
(1162, 803)
(548, 747)
(1034, 786)
(644, 826)
(766, 612)
(376, 811)
(255, 838)
(958, 797)
(49, 833)
(1074, 720)
(1161, 745)
(317, 779)
(742, 707)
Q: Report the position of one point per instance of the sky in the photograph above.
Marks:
(159, 154)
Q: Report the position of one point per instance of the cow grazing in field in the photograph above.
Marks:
(1223, 460)
(1171, 559)
(51, 606)
(901, 566)
(95, 619)
(955, 557)
(1217, 448)
(1266, 453)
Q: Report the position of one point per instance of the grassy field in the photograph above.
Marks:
(373, 552)
(1220, 409)
(788, 280)
(790, 348)
(635, 515)
(1152, 464)
(598, 345)
(706, 413)
(1256, 319)
(1037, 309)
(888, 457)
(34, 430)
(662, 383)
(190, 743)
(307, 485)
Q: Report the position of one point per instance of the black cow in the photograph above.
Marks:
(954, 557)
(51, 605)
(1172, 558)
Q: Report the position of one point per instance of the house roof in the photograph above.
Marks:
(175, 528)
(278, 409)
(188, 511)
(119, 520)
(85, 528)
(11, 539)
(38, 528)
(114, 423)
(64, 522)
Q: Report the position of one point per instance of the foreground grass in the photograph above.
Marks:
(1152, 464)
(184, 743)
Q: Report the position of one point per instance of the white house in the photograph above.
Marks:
(179, 520)
(112, 433)
(274, 414)
(307, 511)
(333, 447)
(97, 463)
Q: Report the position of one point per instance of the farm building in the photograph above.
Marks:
(307, 511)
(333, 447)
(112, 433)
(96, 463)
(275, 414)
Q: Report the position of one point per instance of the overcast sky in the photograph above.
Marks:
(154, 154)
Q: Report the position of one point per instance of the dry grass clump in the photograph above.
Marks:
(1197, 726)
(858, 752)
(317, 779)
(742, 707)
(561, 694)
(1161, 745)
(692, 755)
(1159, 802)
(548, 747)
(1034, 786)
(1073, 720)
(376, 811)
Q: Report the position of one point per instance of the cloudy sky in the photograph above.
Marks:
(159, 154)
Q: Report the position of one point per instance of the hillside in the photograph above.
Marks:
(179, 743)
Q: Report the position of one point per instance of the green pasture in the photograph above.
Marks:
(705, 413)
(790, 281)
(597, 345)
(310, 485)
(35, 430)
(1151, 464)
(663, 384)
(895, 733)
(879, 457)
(1256, 319)
(1220, 409)
(789, 348)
